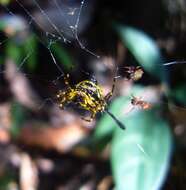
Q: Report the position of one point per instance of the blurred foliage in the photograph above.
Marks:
(30, 48)
(14, 52)
(26, 53)
(179, 94)
(6, 180)
(140, 157)
(5, 2)
(22, 46)
(144, 49)
(139, 152)
(23, 52)
(64, 57)
(18, 117)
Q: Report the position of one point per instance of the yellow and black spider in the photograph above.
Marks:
(88, 95)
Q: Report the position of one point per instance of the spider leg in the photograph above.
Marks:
(62, 103)
(93, 114)
(67, 81)
(62, 99)
(109, 95)
(138, 67)
(119, 123)
(129, 69)
(87, 119)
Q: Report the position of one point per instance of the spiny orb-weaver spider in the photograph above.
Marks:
(88, 95)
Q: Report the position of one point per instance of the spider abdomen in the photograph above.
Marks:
(86, 95)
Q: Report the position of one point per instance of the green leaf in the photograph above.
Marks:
(2, 24)
(140, 155)
(4, 2)
(30, 48)
(179, 93)
(105, 127)
(62, 55)
(18, 117)
(23, 52)
(144, 49)
(103, 133)
(13, 51)
(1, 59)
(6, 178)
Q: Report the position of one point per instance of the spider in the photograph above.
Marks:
(88, 95)
(134, 73)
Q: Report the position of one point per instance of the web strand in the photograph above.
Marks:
(174, 63)
(53, 58)
(61, 36)
(50, 21)
(62, 14)
(28, 13)
(74, 29)
(47, 34)
(23, 29)
(25, 59)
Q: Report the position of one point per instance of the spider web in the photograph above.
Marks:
(71, 16)
(53, 33)
(49, 32)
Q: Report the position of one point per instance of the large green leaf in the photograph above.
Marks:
(105, 128)
(140, 155)
(144, 49)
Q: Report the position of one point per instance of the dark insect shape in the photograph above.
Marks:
(88, 95)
